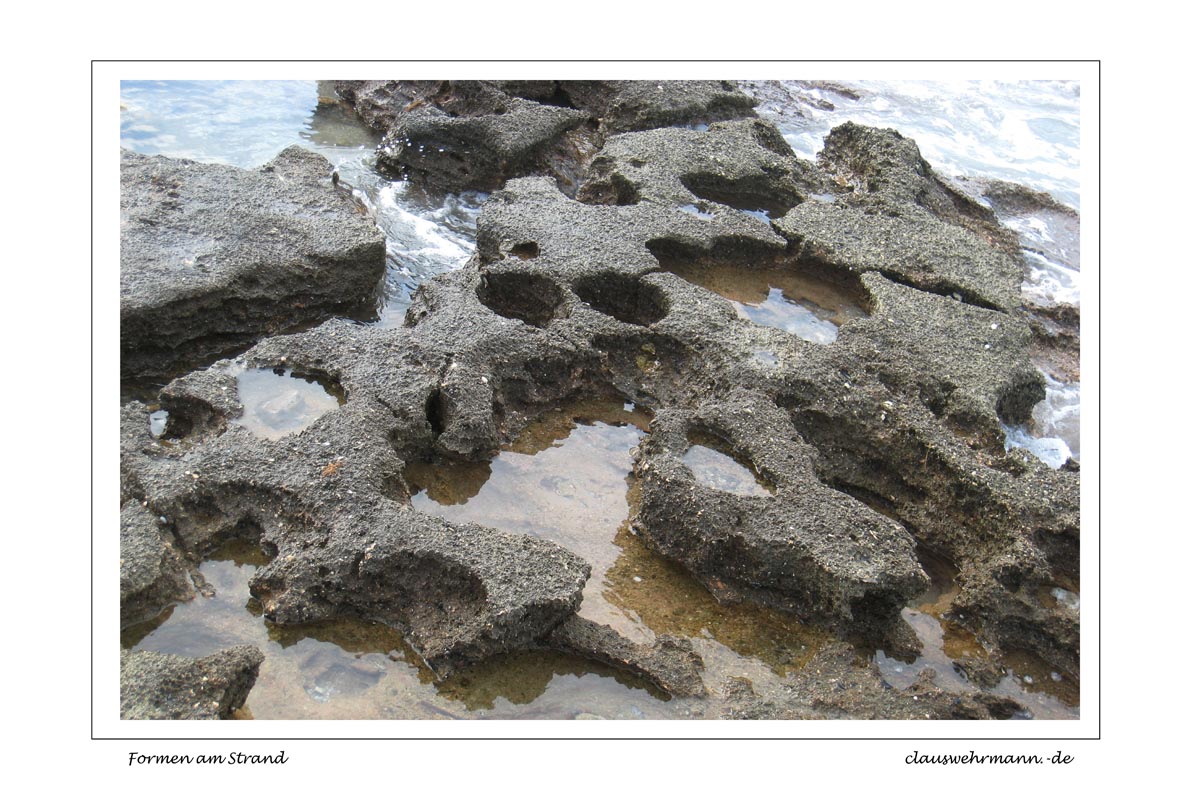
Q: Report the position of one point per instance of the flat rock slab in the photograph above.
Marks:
(215, 257)
(163, 686)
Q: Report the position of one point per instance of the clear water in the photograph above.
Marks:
(567, 478)
(716, 470)
(276, 403)
(1028, 680)
(247, 123)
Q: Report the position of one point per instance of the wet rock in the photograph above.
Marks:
(1056, 346)
(744, 165)
(328, 505)
(153, 571)
(1009, 599)
(640, 105)
(476, 134)
(200, 403)
(804, 547)
(835, 686)
(378, 103)
(1009, 198)
(894, 215)
(478, 145)
(670, 662)
(214, 257)
(460, 593)
(891, 433)
(162, 686)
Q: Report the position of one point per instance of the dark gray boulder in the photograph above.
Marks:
(215, 257)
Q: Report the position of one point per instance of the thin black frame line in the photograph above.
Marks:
(594, 61)
(92, 444)
(1099, 395)
(599, 738)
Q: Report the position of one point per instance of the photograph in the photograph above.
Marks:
(549, 398)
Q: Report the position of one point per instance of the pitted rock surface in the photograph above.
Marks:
(214, 257)
(162, 686)
(476, 134)
(807, 548)
(154, 573)
(887, 438)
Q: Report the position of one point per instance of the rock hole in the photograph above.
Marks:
(1017, 399)
(435, 412)
(278, 402)
(751, 195)
(718, 465)
(806, 299)
(612, 190)
(242, 543)
(624, 297)
(524, 250)
(526, 296)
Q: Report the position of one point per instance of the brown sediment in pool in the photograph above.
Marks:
(567, 477)
(950, 651)
(806, 300)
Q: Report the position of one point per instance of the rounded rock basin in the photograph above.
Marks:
(277, 403)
